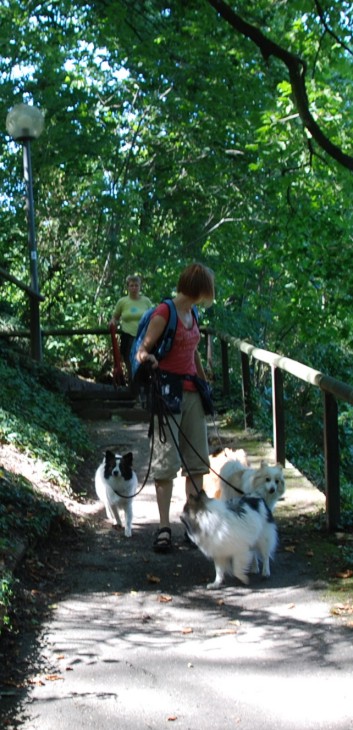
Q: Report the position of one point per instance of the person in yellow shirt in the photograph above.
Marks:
(128, 312)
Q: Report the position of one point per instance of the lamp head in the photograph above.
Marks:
(24, 122)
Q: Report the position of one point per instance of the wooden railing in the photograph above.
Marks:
(332, 391)
(34, 299)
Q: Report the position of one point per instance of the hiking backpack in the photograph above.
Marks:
(164, 345)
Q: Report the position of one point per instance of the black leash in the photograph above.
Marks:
(163, 413)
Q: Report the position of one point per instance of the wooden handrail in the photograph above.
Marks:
(58, 332)
(331, 388)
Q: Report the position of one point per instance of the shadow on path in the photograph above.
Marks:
(135, 640)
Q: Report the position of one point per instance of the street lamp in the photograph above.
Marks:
(24, 123)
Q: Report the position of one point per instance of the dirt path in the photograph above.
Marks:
(128, 638)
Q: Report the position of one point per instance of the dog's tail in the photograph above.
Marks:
(230, 479)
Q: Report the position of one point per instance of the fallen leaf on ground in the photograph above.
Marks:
(342, 609)
(222, 632)
(153, 578)
(53, 677)
(345, 574)
(36, 681)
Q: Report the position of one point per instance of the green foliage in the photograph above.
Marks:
(35, 418)
(6, 594)
(38, 421)
(23, 512)
(24, 518)
(169, 138)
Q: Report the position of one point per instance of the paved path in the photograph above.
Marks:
(137, 641)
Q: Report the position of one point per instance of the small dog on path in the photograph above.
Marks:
(233, 534)
(219, 457)
(267, 481)
(116, 484)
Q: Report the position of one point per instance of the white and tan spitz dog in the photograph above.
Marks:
(116, 484)
(211, 481)
(233, 534)
(266, 481)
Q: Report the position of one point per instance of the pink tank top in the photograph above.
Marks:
(181, 358)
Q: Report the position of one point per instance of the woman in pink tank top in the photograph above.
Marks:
(186, 443)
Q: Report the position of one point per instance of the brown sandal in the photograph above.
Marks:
(163, 540)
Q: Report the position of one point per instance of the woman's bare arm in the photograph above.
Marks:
(155, 329)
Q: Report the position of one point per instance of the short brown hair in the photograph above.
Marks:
(196, 281)
(133, 277)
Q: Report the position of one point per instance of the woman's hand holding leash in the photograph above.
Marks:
(144, 356)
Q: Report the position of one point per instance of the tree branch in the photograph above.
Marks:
(321, 15)
(297, 70)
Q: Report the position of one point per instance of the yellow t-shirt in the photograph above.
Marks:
(130, 311)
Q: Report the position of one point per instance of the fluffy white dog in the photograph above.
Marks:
(266, 481)
(116, 484)
(233, 534)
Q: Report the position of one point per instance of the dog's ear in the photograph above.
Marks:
(218, 450)
(259, 477)
(192, 498)
(202, 497)
(109, 463)
(128, 458)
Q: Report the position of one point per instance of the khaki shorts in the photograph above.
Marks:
(193, 428)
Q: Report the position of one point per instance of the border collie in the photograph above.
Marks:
(116, 484)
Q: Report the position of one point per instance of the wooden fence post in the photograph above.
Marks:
(225, 368)
(209, 352)
(278, 416)
(331, 450)
(246, 387)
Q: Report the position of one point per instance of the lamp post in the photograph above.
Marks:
(24, 123)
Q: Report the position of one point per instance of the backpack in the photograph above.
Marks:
(164, 345)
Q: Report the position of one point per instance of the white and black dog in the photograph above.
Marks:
(116, 484)
(233, 534)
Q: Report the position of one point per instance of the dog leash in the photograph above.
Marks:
(156, 409)
(162, 411)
